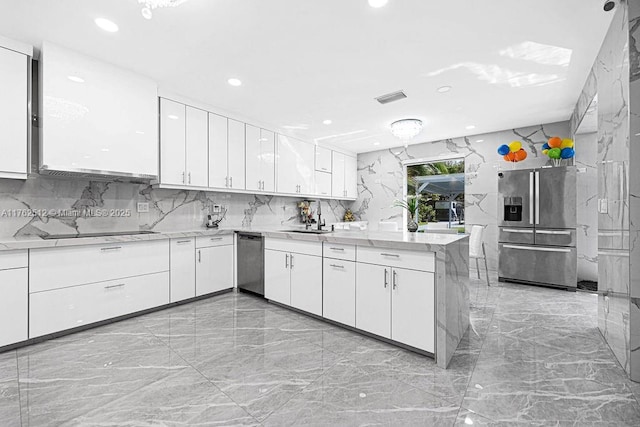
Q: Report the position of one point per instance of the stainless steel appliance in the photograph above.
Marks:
(537, 226)
(251, 263)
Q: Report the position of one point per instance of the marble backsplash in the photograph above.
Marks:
(112, 206)
(380, 176)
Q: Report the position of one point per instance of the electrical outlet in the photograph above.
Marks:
(216, 208)
(143, 207)
(603, 206)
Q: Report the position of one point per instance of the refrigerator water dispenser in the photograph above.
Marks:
(513, 209)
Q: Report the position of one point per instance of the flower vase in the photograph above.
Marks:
(412, 226)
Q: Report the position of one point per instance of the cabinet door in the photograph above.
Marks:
(286, 171)
(14, 118)
(172, 142)
(277, 277)
(214, 269)
(373, 299)
(350, 177)
(323, 159)
(197, 159)
(183, 269)
(267, 160)
(306, 167)
(337, 174)
(413, 308)
(236, 155)
(323, 184)
(306, 283)
(339, 291)
(218, 152)
(13, 305)
(253, 159)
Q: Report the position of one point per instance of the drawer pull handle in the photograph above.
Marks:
(337, 249)
(213, 239)
(183, 241)
(337, 266)
(114, 286)
(395, 279)
(113, 248)
(393, 255)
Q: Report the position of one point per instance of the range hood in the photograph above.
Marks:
(97, 121)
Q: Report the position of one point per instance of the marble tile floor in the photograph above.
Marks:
(532, 356)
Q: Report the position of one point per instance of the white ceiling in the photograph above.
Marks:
(304, 61)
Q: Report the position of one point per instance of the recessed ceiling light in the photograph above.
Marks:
(327, 122)
(106, 25)
(376, 143)
(479, 140)
(173, 117)
(76, 79)
(104, 149)
(377, 3)
(471, 127)
(139, 132)
(444, 89)
(234, 82)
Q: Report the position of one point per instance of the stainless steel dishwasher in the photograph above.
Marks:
(251, 263)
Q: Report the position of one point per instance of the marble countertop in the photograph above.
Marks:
(383, 239)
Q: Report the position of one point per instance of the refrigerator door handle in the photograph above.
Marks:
(566, 232)
(537, 197)
(511, 230)
(531, 201)
(539, 249)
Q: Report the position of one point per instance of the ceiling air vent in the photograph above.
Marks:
(390, 97)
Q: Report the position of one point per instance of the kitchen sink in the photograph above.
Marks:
(300, 230)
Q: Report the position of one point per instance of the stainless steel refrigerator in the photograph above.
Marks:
(537, 226)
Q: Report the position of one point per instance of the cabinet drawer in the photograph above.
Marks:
(413, 260)
(339, 291)
(208, 241)
(13, 305)
(55, 268)
(339, 251)
(295, 246)
(13, 259)
(67, 308)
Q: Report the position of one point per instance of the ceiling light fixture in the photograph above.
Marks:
(479, 140)
(234, 82)
(173, 117)
(406, 128)
(327, 122)
(470, 127)
(105, 24)
(444, 89)
(376, 143)
(76, 79)
(377, 3)
(150, 5)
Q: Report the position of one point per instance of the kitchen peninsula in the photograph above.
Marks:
(406, 288)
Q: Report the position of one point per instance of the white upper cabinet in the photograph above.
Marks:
(344, 176)
(172, 142)
(323, 184)
(295, 166)
(96, 117)
(323, 159)
(218, 151)
(337, 174)
(14, 112)
(350, 177)
(236, 152)
(197, 163)
(260, 166)
(183, 145)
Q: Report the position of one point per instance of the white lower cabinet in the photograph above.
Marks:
(277, 277)
(339, 291)
(396, 303)
(60, 309)
(214, 269)
(306, 283)
(13, 305)
(183, 269)
(373, 299)
(293, 279)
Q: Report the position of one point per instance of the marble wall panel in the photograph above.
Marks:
(587, 205)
